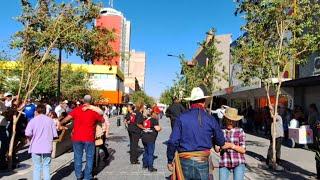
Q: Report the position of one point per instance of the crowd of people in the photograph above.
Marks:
(199, 142)
(41, 121)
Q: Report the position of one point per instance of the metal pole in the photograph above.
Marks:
(59, 75)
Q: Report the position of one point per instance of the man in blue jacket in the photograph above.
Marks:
(192, 137)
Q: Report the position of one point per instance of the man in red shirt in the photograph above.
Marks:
(83, 136)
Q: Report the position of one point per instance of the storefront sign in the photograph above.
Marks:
(316, 66)
(254, 84)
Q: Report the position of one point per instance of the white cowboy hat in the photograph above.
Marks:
(7, 94)
(232, 114)
(196, 94)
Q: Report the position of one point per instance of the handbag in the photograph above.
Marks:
(214, 158)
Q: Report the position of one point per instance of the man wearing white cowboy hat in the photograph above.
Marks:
(191, 140)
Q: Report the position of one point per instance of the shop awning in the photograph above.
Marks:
(308, 81)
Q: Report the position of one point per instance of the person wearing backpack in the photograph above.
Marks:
(149, 135)
(135, 127)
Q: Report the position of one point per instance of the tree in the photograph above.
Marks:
(277, 34)
(167, 96)
(49, 26)
(141, 96)
(206, 76)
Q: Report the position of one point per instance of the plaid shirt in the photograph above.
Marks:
(231, 158)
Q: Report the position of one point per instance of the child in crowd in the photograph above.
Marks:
(232, 153)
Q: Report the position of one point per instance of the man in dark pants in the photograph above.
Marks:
(135, 128)
(174, 111)
(4, 139)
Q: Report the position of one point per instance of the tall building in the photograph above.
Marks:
(115, 21)
(109, 80)
(136, 70)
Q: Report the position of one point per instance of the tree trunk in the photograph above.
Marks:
(15, 121)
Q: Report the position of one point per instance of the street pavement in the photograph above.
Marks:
(298, 163)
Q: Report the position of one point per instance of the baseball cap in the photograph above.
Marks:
(156, 110)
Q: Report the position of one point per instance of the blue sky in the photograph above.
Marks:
(158, 27)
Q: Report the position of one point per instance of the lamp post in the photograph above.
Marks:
(172, 55)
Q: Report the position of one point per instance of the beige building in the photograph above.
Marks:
(223, 45)
(136, 70)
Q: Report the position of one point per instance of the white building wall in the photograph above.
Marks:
(105, 82)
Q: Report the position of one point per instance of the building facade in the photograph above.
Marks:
(222, 43)
(136, 70)
(115, 21)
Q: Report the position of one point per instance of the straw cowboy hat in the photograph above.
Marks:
(232, 114)
(196, 94)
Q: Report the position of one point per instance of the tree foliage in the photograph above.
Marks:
(141, 96)
(278, 33)
(167, 96)
(48, 26)
(207, 76)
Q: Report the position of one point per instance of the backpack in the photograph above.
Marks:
(132, 118)
(147, 123)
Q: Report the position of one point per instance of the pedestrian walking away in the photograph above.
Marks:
(41, 130)
(151, 128)
(83, 138)
(232, 153)
(174, 111)
(191, 140)
(130, 117)
(135, 128)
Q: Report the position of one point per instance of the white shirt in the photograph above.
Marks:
(220, 112)
(48, 109)
(8, 103)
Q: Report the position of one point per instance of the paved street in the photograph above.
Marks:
(299, 163)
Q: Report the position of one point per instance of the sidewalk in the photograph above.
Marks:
(298, 163)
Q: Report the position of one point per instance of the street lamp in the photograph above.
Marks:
(172, 55)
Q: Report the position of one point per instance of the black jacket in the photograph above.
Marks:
(174, 111)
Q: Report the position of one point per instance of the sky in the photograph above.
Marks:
(158, 27)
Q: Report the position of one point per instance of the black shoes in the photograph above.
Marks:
(135, 162)
(152, 170)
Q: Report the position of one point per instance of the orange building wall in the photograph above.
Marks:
(112, 23)
(263, 101)
(110, 97)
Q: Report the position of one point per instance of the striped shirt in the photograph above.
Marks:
(231, 158)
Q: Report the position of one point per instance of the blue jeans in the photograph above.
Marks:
(195, 170)
(41, 162)
(148, 155)
(238, 172)
(78, 148)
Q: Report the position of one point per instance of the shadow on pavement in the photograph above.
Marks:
(118, 139)
(68, 170)
(103, 164)
(291, 171)
(63, 172)
(256, 143)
